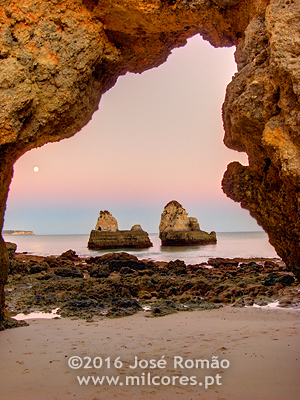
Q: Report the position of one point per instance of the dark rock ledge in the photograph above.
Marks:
(119, 284)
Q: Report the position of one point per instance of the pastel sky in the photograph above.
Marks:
(156, 137)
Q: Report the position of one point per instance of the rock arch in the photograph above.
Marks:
(58, 57)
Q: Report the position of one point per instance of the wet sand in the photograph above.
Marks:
(262, 346)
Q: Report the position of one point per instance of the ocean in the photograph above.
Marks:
(229, 245)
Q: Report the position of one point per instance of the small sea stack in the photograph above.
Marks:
(106, 235)
(177, 229)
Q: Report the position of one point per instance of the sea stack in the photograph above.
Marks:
(177, 229)
(106, 222)
(106, 235)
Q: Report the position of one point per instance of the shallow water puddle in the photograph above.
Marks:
(38, 314)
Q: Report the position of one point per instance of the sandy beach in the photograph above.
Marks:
(261, 345)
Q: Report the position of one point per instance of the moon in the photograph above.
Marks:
(36, 169)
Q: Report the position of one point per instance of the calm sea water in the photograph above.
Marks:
(229, 245)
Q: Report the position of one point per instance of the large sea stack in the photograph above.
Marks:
(177, 229)
(106, 235)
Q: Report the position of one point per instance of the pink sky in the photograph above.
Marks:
(156, 137)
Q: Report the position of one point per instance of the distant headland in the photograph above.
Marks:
(15, 232)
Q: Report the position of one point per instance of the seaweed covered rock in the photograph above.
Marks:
(118, 262)
(119, 284)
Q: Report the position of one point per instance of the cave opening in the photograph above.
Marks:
(157, 136)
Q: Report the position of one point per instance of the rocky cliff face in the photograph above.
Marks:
(262, 118)
(58, 57)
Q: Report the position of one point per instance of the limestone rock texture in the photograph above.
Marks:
(177, 229)
(136, 228)
(133, 239)
(106, 235)
(261, 116)
(174, 218)
(58, 57)
(106, 222)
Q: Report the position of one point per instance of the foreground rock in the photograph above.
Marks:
(11, 248)
(177, 229)
(119, 284)
(107, 236)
